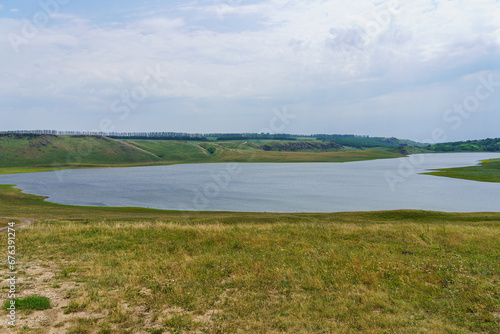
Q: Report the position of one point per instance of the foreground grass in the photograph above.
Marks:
(486, 171)
(318, 276)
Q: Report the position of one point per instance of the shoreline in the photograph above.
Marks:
(189, 211)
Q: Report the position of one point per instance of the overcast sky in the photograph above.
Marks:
(422, 70)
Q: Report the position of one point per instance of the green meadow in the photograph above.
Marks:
(486, 171)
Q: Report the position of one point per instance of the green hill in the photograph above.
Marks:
(23, 152)
(370, 142)
(174, 151)
(482, 145)
(42, 150)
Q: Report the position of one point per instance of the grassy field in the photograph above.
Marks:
(111, 270)
(486, 171)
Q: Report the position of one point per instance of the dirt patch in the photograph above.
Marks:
(36, 279)
(23, 222)
(44, 279)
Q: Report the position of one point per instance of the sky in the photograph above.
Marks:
(421, 70)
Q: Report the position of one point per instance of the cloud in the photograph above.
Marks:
(326, 57)
(159, 25)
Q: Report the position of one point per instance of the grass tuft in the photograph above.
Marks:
(74, 307)
(31, 303)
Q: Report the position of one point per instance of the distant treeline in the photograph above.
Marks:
(487, 145)
(356, 141)
(252, 136)
(159, 136)
(120, 135)
(186, 136)
(327, 137)
(301, 145)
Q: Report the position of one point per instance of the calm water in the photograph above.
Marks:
(301, 187)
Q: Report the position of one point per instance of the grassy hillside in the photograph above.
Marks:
(174, 151)
(52, 150)
(371, 142)
(26, 153)
(117, 270)
(486, 171)
(251, 152)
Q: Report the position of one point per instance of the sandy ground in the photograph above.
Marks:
(39, 278)
(36, 280)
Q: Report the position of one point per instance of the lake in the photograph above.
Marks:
(386, 184)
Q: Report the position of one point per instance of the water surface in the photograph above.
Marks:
(386, 184)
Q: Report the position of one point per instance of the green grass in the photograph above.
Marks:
(238, 151)
(486, 171)
(371, 142)
(31, 303)
(314, 275)
(46, 151)
(173, 151)
(31, 153)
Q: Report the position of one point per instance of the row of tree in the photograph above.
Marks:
(185, 136)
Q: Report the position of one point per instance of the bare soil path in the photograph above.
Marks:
(23, 222)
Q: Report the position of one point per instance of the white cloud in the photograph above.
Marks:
(344, 52)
